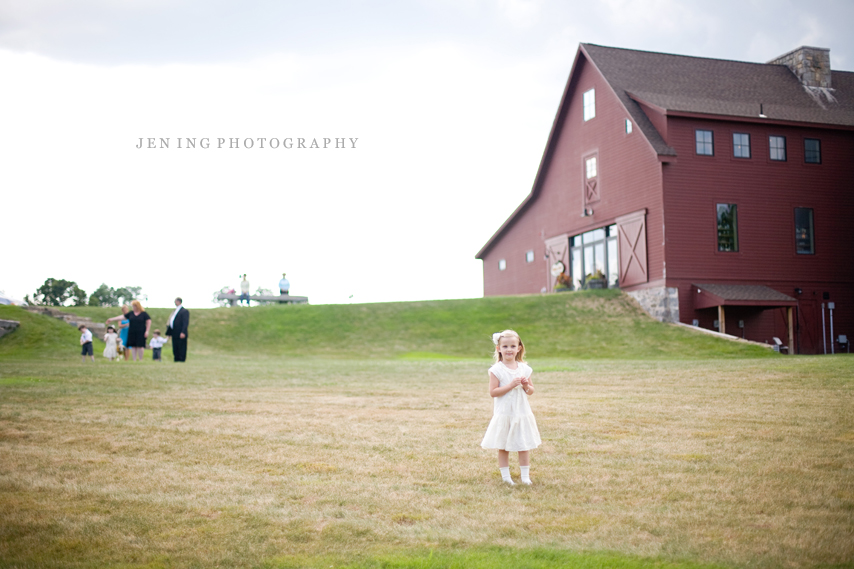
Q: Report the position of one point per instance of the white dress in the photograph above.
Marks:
(110, 351)
(513, 426)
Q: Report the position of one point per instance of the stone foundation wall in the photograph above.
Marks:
(662, 303)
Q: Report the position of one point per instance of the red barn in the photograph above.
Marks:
(717, 193)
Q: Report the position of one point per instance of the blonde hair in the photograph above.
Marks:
(136, 304)
(496, 339)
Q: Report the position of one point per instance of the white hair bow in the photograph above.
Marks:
(496, 337)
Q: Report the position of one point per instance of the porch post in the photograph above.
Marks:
(721, 320)
(789, 313)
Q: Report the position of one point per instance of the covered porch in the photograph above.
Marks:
(720, 296)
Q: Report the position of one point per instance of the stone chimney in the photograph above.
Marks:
(811, 65)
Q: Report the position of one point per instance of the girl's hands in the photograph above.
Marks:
(516, 383)
(527, 386)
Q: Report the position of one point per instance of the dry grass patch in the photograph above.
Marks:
(232, 462)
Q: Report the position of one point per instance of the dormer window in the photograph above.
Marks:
(589, 104)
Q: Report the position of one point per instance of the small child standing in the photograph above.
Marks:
(86, 343)
(156, 344)
(513, 426)
(111, 339)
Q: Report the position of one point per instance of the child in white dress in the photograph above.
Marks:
(513, 426)
(111, 339)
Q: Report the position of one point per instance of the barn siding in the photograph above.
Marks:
(682, 246)
(629, 178)
(766, 193)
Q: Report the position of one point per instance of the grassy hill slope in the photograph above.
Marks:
(589, 324)
(38, 335)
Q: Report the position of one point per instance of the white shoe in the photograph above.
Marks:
(528, 481)
(509, 482)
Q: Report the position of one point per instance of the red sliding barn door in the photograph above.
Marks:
(633, 263)
(557, 249)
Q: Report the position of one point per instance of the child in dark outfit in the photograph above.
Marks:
(86, 348)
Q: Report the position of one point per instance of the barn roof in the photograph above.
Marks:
(680, 85)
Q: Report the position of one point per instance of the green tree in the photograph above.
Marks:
(59, 292)
(125, 294)
(104, 296)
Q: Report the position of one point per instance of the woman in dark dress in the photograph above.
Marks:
(139, 325)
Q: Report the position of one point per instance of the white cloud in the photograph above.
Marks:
(521, 13)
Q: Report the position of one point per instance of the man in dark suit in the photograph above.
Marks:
(179, 322)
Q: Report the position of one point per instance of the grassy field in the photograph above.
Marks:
(251, 457)
(590, 324)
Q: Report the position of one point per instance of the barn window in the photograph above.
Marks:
(740, 145)
(804, 243)
(529, 257)
(628, 126)
(589, 101)
(727, 227)
(705, 142)
(502, 264)
(777, 144)
(590, 167)
(592, 252)
(590, 164)
(812, 151)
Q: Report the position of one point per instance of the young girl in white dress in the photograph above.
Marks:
(513, 426)
(111, 339)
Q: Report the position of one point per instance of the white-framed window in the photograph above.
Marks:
(628, 126)
(593, 252)
(502, 264)
(529, 256)
(591, 167)
(589, 104)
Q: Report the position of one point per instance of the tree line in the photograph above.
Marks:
(61, 292)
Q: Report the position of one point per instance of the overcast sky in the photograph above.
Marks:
(449, 104)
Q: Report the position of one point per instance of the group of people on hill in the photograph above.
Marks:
(134, 328)
(284, 288)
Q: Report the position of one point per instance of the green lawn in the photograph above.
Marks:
(583, 325)
(701, 453)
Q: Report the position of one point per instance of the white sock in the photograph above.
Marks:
(526, 478)
(505, 474)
